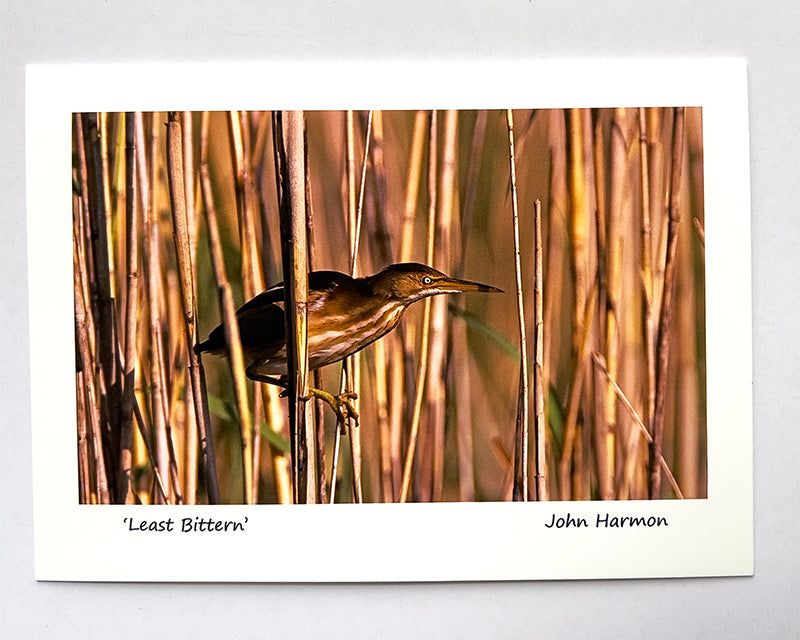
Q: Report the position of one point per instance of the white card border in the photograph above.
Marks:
(475, 541)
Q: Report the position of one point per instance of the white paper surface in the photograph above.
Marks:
(475, 541)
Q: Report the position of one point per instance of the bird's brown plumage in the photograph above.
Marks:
(344, 315)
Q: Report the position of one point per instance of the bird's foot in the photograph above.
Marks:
(342, 404)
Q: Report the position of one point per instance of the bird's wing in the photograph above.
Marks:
(272, 295)
(261, 321)
(261, 326)
(320, 284)
(323, 284)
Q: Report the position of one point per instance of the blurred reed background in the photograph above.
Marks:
(177, 218)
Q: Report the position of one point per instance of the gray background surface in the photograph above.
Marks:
(767, 34)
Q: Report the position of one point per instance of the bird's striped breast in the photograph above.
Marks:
(332, 338)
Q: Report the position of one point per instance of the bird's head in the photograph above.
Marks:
(411, 281)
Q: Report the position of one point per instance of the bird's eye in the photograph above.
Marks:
(427, 280)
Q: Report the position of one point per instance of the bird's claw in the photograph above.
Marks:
(341, 404)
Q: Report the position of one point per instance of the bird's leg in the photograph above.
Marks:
(341, 403)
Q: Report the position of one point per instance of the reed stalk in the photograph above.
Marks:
(578, 220)
(104, 322)
(189, 174)
(232, 338)
(186, 280)
(461, 378)
(84, 470)
(282, 464)
(570, 427)
(252, 278)
(578, 224)
(163, 491)
(350, 377)
(252, 281)
(380, 373)
(614, 244)
(598, 361)
(540, 459)
(294, 253)
(426, 317)
(654, 485)
(690, 459)
(351, 370)
(436, 390)
(318, 415)
(402, 406)
(84, 366)
(380, 236)
(521, 436)
(380, 246)
(161, 442)
(647, 269)
(125, 488)
(412, 182)
(116, 177)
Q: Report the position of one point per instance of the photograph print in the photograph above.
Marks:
(484, 305)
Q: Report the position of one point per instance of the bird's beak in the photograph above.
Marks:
(452, 285)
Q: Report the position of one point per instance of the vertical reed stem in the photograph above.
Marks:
(437, 395)
(186, 279)
(161, 443)
(540, 461)
(84, 365)
(570, 426)
(232, 339)
(318, 408)
(351, 371)
(647, 270)
(412, 182)
(124, 486)
(426, 321)
(105, 347)
(295, 268)
(520, 492)
(654, 486)
(607, 443)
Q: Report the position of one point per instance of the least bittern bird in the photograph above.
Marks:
(344, 315)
